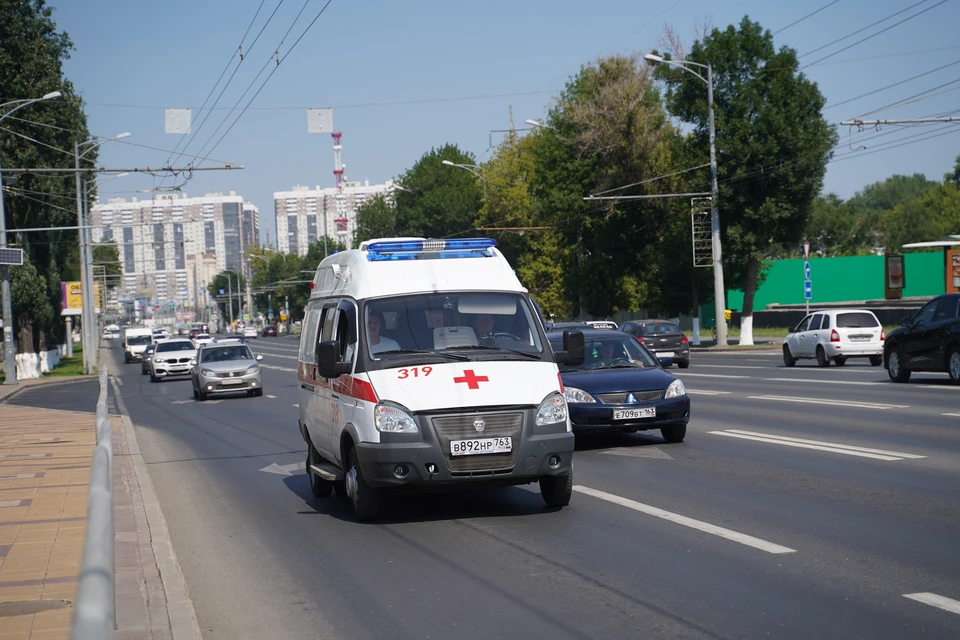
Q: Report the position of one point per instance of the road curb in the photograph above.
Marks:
(180, 610)
(9, 391)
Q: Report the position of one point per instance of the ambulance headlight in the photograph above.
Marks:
(390, 418)
(552, 410)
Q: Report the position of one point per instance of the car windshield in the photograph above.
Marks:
(609, 353)
(227, 354)
(856, 320)
(473, 324)
(177, 345)
(657, 328)
(139, 340)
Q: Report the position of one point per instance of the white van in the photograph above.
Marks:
(134, 342)
(423, 363)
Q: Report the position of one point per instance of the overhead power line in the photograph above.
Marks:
(809, 15)
(861, 30)
(891, 86)
(648, 180)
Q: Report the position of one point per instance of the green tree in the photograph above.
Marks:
(772, 141)
(930, 217)
(954, 176)
(107, 255)
(838, 228)
(31, 303)
(220, 282)
(446, 199)
(376, 218)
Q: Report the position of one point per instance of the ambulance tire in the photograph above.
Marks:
(366, 500)
(318, 486)
(556, 490)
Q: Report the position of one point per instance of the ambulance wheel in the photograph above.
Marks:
(556, 490)
(318, 486)
(365, 499)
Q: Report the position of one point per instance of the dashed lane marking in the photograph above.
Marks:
(834, 403)
(932, 599)
(705, 527)
(272, 397)
(704, 392)
(845, 449)
(957, 415)
(276, 368)
(684, 374)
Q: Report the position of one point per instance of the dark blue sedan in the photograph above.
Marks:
(621, 386)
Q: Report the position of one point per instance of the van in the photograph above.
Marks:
(134, 342)
(423, 364)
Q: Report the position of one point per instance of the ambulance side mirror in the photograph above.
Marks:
(327, 365)
(572, 353)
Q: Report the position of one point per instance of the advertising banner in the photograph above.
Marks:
(71, 298)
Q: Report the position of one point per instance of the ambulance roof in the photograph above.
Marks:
(396, 266)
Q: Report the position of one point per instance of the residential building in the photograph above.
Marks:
(302, 214)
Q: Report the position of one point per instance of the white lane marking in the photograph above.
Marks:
(861, 370)
(181, 402)
(270, 366)
(297, 406)
(639, 452)
(822, 381)
(704, 392)
(957, 415)
(120, 381)
(277, 355)
(272, 397)
(953, 606)
(834, 403)
(705, 527)
(708, 375)
(285, 469)
(846, 449)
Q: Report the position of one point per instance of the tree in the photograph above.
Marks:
(446, 199)
(107, 255)
(838, 228)
(376, 218)
(954, 176)
(235, 285)
(772, 141)
(930, 217)
(31, 304)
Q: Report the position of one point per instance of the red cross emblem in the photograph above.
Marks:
(473, 380)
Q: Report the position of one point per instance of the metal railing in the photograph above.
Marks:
(94, 617)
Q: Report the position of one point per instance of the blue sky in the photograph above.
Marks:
(367, 58)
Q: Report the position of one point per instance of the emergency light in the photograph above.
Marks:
(431, 249)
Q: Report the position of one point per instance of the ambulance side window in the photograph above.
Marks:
(346, 335)
(308, 341)
(329, 317)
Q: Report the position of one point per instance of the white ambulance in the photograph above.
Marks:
(423, 364)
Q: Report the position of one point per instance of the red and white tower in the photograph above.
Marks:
(340, 197)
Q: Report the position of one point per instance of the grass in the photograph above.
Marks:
(72, 366)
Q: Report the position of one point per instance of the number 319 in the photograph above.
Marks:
(414, 372)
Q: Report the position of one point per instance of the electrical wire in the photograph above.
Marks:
(910, 99)
(895, 84)
(809, 15)
(862, 29)
(669, 175)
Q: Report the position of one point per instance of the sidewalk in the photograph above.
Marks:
(45, 458)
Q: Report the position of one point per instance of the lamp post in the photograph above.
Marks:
(9, 349)
(472, 168)
(719, 293)
(230, 295)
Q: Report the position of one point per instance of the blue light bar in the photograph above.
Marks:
(430, 249)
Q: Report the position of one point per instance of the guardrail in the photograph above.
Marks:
(94, 616)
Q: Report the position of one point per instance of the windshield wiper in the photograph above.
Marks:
(535, 356)
(619, 366)
(452, 356)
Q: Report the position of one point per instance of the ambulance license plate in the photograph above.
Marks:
(633, 414)
(477, 446)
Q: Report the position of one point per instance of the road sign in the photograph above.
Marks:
(807, 290)
(222, 292)
(246, 317)
(11, 256)
(806, 250)
(283, 317)
(806, 270)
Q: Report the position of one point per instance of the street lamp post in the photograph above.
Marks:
(719, 293)
(9, 349)
(472, 168)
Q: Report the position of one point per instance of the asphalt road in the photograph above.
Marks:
(804, 503)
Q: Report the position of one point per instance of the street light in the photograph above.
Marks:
(9, 349)
(537, 123)
(719, 293)
(472, 169)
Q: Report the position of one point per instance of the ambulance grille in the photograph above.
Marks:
(460, 427)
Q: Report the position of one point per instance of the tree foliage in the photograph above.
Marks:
(29, 292)
(376, 218)
(445, 199)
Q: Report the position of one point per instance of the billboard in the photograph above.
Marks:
(71, 298)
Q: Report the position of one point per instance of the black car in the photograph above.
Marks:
(622, 387)
(269, 330)
(662, 337)
(145, 360)
(928, 341)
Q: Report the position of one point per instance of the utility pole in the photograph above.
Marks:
(85, 284)
(9, 348)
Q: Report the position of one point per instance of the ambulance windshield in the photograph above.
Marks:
(471, 324)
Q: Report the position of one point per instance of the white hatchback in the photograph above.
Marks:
(836, 334)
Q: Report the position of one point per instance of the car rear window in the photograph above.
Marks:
(856, 320)
(661, 327)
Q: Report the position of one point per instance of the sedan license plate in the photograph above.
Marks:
(232, 382)
(633, 414)
(477, 446)
(860, 338)
(665, 354)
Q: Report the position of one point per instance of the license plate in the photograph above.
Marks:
(633, 414)
(232, 382)
(477, 446)
(860, 338)
(665, 354)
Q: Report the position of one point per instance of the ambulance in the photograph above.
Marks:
(423, 364)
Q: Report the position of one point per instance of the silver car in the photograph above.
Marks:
(172, 358)
(226, 368)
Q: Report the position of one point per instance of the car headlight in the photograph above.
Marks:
(392, 419)
(572, 394)
(552, 410)
(206, 372)
(252, 369)
(159, 360)
(675, 390)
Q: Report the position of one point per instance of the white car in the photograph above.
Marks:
(250, 332)
(202, 339)
(836, 334)
(172, 358)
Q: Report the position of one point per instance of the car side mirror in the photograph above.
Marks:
(906, 321)
(259, 357)
(327, 365)
(666, 363)
(573, 349)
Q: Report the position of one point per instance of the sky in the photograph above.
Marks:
(405, 77)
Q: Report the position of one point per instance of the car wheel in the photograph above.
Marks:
(876, 361)
(365, 499)
(154, 378)
(196, 396)
(788, 359)
(683, 364)
(556, 490)
(822, 359)
(318, 486)
(201, 395)
(953, 364)
(258, 392)
(895, 368)
(674, 434)
(840, 360)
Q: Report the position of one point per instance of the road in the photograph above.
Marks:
(804, 503)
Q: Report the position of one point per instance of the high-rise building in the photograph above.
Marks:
(304, 214)
(172, 246)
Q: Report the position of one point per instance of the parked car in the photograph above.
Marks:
(147, 356)
(621, 387)
(172, 358)
(250, 331)
(226, 367)
(269, 330)
(662, 337)
(928, 341)
(835, 335)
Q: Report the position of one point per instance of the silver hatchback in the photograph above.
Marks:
(226, 368)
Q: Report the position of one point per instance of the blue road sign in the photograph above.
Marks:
(222, 291)
(807, 289)
(806, 270)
